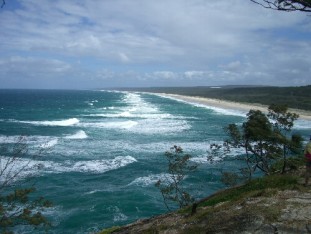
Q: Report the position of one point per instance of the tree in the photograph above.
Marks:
(172, 189)
(17, 204)
(282, 124)
(285, 5)
(265, 139)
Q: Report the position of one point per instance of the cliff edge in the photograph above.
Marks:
(272, 204)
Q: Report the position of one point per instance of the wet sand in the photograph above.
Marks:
(306, 115)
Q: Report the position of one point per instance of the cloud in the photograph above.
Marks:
(173, 42)
(38, 66)
(232, 66)
(29, 72)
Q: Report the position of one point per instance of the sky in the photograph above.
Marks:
(91, 44)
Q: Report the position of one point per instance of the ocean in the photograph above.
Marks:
(101, 152)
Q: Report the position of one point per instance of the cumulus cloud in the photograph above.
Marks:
(172, 42)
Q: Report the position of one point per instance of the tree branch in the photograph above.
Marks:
(285, 5)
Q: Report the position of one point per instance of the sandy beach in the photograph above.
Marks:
(306, 115)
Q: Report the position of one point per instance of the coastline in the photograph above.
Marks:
(229, 105)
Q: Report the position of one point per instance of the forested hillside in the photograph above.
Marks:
(293, 97)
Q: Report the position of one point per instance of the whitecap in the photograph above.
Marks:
(78, 135)
(92, 166)
(37, 141)
(17, 168)
(128, 114)
(11, 139)
(66, 122)
(204, 160)
(228, 111)
(112, 125)
(100, 166)
(94, 191)
(149, 180)
(49, 144)
(151, 126)
(119, 217)
(135, 102)
(21, 168)
(125, 114)
(117, 214)
(218, 110)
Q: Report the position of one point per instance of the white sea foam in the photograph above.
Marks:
(302, 124)
(223, 111)
(49, 144)
(78, 135)
(107, 108)
(92, 166)
(36, 141)
(111, 125)
(203, 159)
(218, 110)
(138, 105)
(143, 148)
(10, 139)
(100, 166)
(91, 103)
(94, 191)
(13, 169)
(144, 118)
(129, 114)
(144, 126)
(66, 122)
(117, 214)
(22, 168)
(125, 114)
(150, 126)
(150, 180)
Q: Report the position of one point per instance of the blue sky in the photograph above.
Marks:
(90, 44)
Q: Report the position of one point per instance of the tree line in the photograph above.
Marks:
(293, 97)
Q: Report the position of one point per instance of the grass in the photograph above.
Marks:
(109, 230)
(255, 186)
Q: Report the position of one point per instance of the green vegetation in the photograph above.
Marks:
(293, 97)
(255, 187)
(109, 230)
(265, 139)
(18, 205)
(171, 187)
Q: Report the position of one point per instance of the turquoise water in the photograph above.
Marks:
(104, 151)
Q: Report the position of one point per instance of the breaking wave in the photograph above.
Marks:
(64, 123)
(21, 167)
(78, 135)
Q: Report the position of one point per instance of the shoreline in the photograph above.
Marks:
(230, 105)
